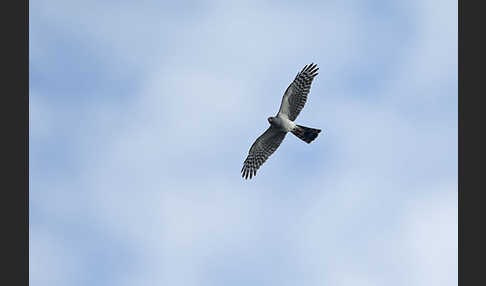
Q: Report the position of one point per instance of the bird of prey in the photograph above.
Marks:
(293, 101)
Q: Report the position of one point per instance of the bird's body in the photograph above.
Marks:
(292, 103)
(282, 122)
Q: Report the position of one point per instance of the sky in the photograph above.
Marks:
(142, 113)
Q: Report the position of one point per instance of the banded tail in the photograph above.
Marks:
(306, 134)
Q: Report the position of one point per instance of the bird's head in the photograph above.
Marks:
(270, 119)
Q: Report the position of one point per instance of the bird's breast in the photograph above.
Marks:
(285, 124)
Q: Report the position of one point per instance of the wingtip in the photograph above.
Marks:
(312, 69)
(248, 173)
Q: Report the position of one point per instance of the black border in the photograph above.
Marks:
(471, 186)
(15, 144)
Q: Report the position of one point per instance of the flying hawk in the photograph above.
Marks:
(293, 101)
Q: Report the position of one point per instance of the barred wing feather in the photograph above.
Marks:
(295, 96)
(262, 148)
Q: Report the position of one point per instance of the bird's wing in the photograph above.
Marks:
(262, 148)
(295, 96)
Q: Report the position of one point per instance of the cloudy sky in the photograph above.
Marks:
(142, 112)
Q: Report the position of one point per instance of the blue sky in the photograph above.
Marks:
(141, 114)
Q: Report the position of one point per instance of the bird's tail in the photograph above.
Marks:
(307, 134)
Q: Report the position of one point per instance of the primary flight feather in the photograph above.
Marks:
(293, 101)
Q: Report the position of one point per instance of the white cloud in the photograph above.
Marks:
(431, 236)
(40, 117)
(51, 261)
